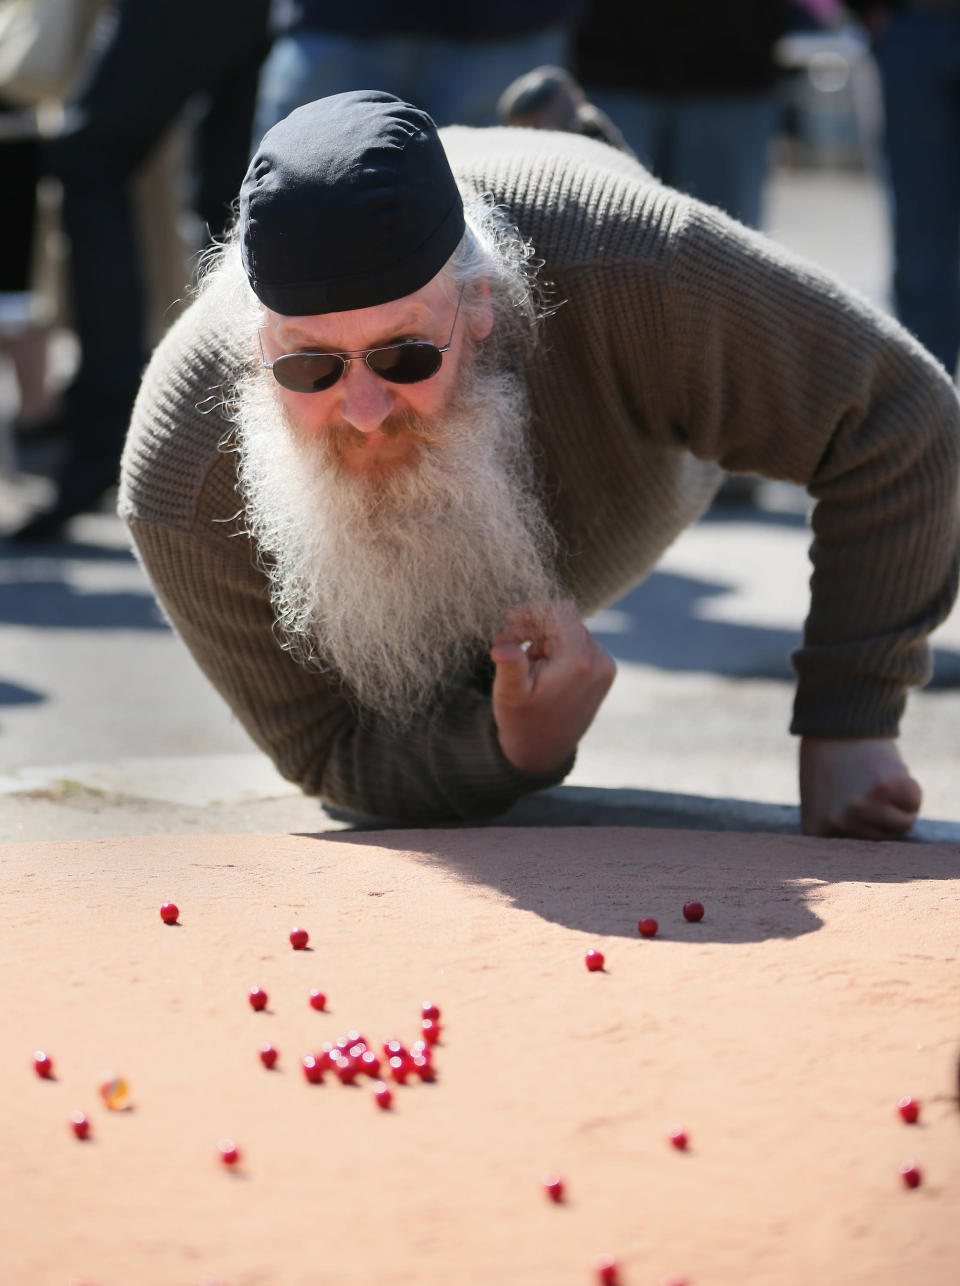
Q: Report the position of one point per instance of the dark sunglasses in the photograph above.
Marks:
(409, 362)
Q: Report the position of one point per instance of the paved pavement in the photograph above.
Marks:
(107, 728)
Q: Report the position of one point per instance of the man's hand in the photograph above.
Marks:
(857, 787)
(545, 695)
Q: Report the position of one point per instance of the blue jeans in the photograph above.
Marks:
(919, 60)
(716, 147)
(456, 81)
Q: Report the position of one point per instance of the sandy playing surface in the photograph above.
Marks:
(821, 986)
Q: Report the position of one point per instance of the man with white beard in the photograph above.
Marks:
(467, 387)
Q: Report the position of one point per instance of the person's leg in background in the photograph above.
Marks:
(919, 60)
(304, 65)
(643, 119)
(24, 337)
(222, 141)
(722, 151)
(459, 82)
(111, 127)
(456, 81)
(148, 61)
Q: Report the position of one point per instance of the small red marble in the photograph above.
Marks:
(169, 913)
(606, 1270)
(678, 1137)
(299, 938)
(312, 1069)
(399, 1069)
(910, 1174)
(693, 911)
(594, 960)
(80, 1125)
(258, 998)
(383, 1094)
(647, 927)
(344, 1069)
(423, 1067)
(909, 1109)
(354, 1056)
(43, 1065)
(318, 1000)
(229, 1152)
(553, 1186)
(369, 1063)
(429, 1010)
(268, 1055)
(431, 1031)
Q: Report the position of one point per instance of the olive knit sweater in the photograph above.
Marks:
(684, 344)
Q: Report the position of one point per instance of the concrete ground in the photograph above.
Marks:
(107, 728)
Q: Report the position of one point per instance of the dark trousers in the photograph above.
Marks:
(919, 60)
(149, 60)
(19, 159)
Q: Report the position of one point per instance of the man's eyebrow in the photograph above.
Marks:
(407, 322)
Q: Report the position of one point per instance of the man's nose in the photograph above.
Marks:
(365, 399)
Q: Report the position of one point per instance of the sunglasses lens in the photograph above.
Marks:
(406, 363)
(308, 372)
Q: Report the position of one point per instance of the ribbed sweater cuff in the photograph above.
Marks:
(848, 708)
(485, 783)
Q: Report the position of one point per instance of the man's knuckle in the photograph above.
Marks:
(607, 666)
(583, 669)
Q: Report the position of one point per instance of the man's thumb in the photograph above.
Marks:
(512, 668)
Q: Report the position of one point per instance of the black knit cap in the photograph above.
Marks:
(348, 202)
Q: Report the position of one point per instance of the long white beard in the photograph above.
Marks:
(398, 585)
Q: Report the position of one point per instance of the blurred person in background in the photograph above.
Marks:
(24, 331)
(692, 86)
(41, 46)
(451, 60)
(917, 48)
(146, 63)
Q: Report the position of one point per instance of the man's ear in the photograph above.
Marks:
(481, 311)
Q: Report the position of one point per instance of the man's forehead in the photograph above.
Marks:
(381, 320)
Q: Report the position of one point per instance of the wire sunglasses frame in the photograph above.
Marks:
(410, 362)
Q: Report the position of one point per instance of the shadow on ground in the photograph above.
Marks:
(37, 589)
(588, 806)
(661, 625)
(598, 881)
(14, 694)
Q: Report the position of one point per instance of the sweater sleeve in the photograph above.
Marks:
(450, 768)
(775, 368)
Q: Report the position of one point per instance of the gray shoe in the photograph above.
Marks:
(549, 98)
